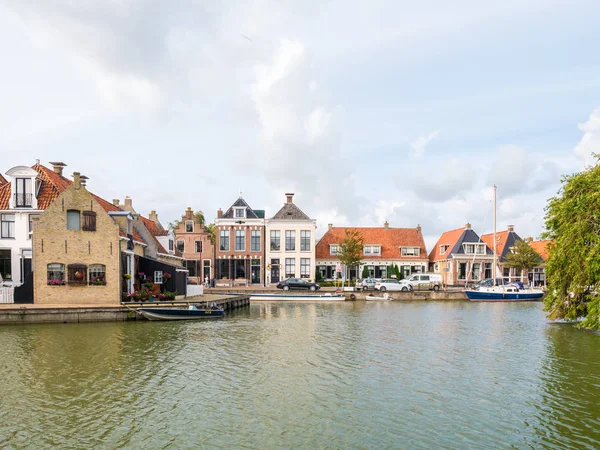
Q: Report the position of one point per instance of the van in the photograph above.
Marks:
(422, 281)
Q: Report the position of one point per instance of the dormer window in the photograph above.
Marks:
(189, 226)
(333, 249)
(474, 249)
(444, 249)
(376, 249)
(240, 213)
(411, 251)
(23, 193)
(367, 250)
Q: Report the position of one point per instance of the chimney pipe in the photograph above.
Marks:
(153, 216)
(330, 225)
(511, 228)
(58, 167)
(77, 180)
(419, 228)
(116, 202)
(289, 196)
(83, 179)
(219, 213)
(386, 225)
(468, 226)
(189, 214)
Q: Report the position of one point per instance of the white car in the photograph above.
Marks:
(388, 285)
(422, 281)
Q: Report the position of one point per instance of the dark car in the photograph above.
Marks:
(297, 283)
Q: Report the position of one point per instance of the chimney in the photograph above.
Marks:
(386, 225)
(189, 214)
(289, 196)
(83, 179)
(511, 228)
(116, 202)
(330, 225)
(419, 228)
(153, 216)
(58, 167)
(467, 226)
(77, 180)
(219, 213)
(128, 206)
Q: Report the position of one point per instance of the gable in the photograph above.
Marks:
(290, 211)
(239, 203)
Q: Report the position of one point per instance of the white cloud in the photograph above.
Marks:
(418, 147)
(590, 142)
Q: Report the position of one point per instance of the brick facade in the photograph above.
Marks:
(196, 261)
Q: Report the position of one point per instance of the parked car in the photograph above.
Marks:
(367, 283)
(422, 281)
(388, 285)
(297, 283)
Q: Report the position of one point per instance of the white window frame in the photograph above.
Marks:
(304, 267)
(292, 240)
(235, 213)
(333, 249)
(235, 240)
(196, 242)
(186, 226)
(291, 263)
(254, 234)
(416, 251)
(376, 249)
(177, 245)
(367, 250)
(158, 277)
(224, 233)
(305, 239)
(444, 248)
(9, 229)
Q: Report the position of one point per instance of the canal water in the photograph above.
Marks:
(421, 375)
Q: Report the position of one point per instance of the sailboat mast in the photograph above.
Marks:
(494, 266)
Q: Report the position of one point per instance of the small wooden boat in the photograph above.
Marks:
(297, 297)
(379, 298)
(190, 313)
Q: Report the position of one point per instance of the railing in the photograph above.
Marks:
(23, 200)
(7, 294)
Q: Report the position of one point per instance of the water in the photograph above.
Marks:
(345, 375)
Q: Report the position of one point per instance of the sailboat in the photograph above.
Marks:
(502, 293)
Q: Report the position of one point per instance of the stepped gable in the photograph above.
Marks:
(390, 239)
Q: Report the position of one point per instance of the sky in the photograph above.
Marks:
(400, 111)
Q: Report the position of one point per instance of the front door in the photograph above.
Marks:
(274, 271)
(26, 269)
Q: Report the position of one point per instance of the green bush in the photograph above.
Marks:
(318, 277)
(365, 272)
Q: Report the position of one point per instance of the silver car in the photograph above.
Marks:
(365, 284)
(388, 285)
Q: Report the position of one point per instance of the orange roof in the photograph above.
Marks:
(501, 238)
(153, 228)
(541, 248)
(449, 238)
(390, 239)
(2, 180)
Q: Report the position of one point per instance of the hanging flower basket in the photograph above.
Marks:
(79, 275)
(127, 276)
(166, 275)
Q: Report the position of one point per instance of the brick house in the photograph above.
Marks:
(542, 248)
(461, 257)
(504, 242)
(195, 245)
(290, 252)
(240, 250)
(82, 247)
(383, 247)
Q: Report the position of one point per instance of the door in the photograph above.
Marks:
(26, 269)
(255, 274)
(275, 271)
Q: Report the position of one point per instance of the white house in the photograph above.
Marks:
(290, 249)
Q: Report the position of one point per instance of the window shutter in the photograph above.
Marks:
(89, 221)
(77, 274)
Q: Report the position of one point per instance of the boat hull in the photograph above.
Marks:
(482, 296)
(296, 297)
(370, 298)
(180, 314)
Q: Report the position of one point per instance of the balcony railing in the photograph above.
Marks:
(23, 200)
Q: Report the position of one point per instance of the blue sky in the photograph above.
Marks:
(400, 111)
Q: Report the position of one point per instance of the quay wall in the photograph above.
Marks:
(454, 295)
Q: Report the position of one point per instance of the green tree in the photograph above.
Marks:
(350, 250)
(398, 272)
(172, 225)
(199, 216)
(573, 265)
(365, 272)
(522, 256)
(212, 232)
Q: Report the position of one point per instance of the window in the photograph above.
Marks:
(7, 226)
(305, 241)
(240, 213)
(472, 249)
(189, 226)
(180, 246)
(77, 274)
(290, 241)
(5, 265)
(56, 274)
(411, 251)
(305, 267)
(198, 246)
(488, 270)
(475, 271)
(158, 277)
(97, 274)
(170, 245)
(255, 271)
(462, 271)
(73, 220)
(255, 240)
(376, 250)
(192, 266)
(31, 217)
(333, 249)
(23, 194)
(367, 250)
(443, 249)
(240, 240)
(89, 221)
(290, 267)
(224, 240)
(275, 240)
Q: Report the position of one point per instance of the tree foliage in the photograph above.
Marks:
(522, 256)
(573, 266)
(350, 250)
(365, 272)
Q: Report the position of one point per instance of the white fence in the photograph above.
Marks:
(195, 289)
(7, 294)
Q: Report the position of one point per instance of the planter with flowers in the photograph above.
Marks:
(127, 276)
(57, 283)
(99, 281)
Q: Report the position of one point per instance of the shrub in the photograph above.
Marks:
(365, 272)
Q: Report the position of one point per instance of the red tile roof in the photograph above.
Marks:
(501, 238)
(542, 248)
(153, 228)
(2, 180)
(449, 238)
(390, 239)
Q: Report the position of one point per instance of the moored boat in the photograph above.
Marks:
(297, 297)
(504, 294)
(190, 313)
(381, 298)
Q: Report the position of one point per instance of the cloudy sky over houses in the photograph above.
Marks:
(369, 111)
